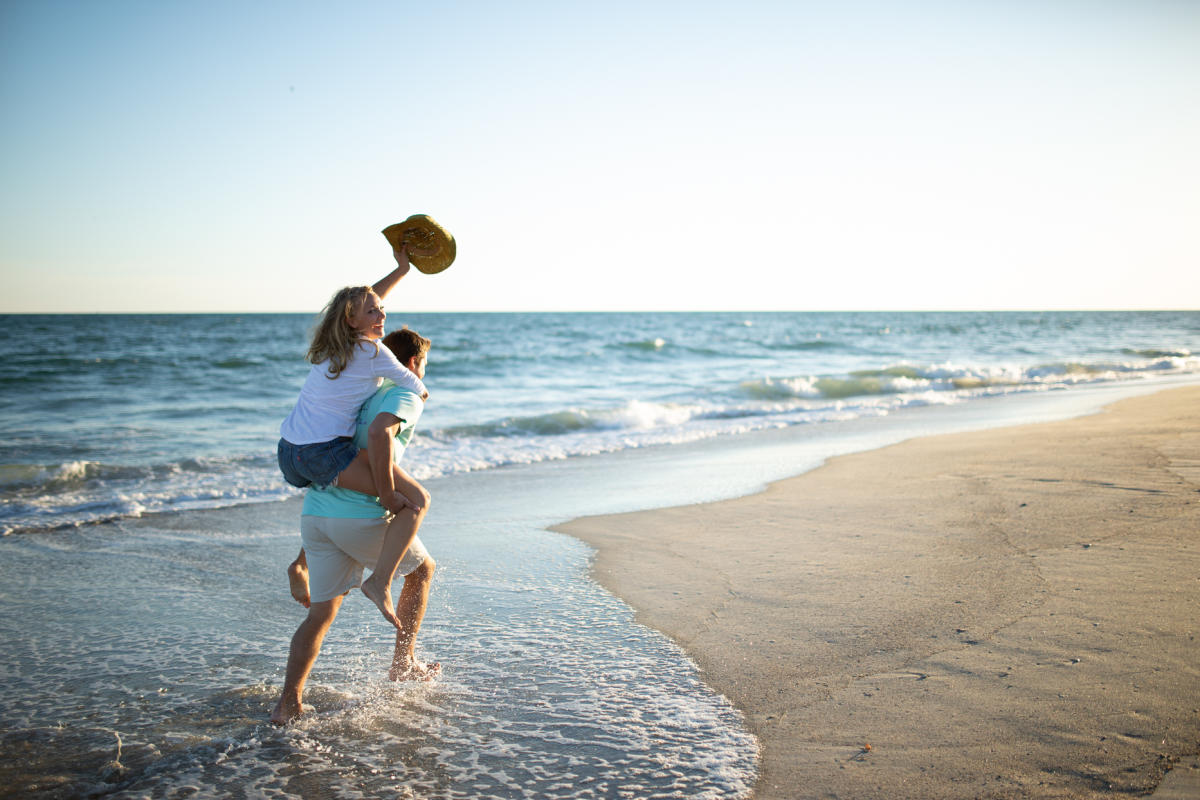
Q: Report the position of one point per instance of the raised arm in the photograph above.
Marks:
(389, 281)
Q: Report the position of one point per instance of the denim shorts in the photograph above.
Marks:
(315, 464)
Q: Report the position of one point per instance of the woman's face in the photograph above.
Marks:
(368, 320)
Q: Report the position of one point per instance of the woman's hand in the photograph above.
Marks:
(402, 262)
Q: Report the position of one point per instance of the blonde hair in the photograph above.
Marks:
(333, 338)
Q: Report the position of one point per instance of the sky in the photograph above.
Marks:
(846, 155)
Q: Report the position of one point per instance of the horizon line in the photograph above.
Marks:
(1029, 309)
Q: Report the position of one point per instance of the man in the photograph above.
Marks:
(344, 530)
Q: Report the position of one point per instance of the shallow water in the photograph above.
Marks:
(176, 653)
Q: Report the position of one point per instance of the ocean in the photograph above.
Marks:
(110, 417)
(145, 531)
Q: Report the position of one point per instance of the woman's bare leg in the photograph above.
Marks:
(357, 477)
(399, 535)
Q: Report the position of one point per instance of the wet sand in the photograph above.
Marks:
(1006, 613)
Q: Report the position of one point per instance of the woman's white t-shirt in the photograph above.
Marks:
(328, 408)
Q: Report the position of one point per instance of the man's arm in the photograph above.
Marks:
(380, 434)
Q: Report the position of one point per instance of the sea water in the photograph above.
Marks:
(147, 618)
(109, 417)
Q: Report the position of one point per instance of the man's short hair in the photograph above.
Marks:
(406, 343)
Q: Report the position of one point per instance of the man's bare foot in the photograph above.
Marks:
(382, 598)
(414, 671)
(298, 580)
(285, 711)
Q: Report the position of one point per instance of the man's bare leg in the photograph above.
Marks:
(306, 644)
(297, 573)
(414, 597)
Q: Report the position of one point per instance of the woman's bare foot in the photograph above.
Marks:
(286, 710)
(414, 671)
(298, 580)
(382, 598)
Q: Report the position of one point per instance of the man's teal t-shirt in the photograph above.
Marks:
(345, 504)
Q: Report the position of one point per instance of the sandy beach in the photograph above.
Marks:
(1007, 613)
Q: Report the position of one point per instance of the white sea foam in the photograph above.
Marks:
(80, 492)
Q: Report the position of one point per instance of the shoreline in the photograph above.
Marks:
(999, 613)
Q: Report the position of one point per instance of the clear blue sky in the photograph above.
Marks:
(243, 156)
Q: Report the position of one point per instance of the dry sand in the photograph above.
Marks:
(1007, 613)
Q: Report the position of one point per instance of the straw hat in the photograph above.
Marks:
(421, 231)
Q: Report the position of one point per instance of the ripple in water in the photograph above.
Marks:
(549, 689)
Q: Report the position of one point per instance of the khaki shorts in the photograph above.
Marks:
(339, 549)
